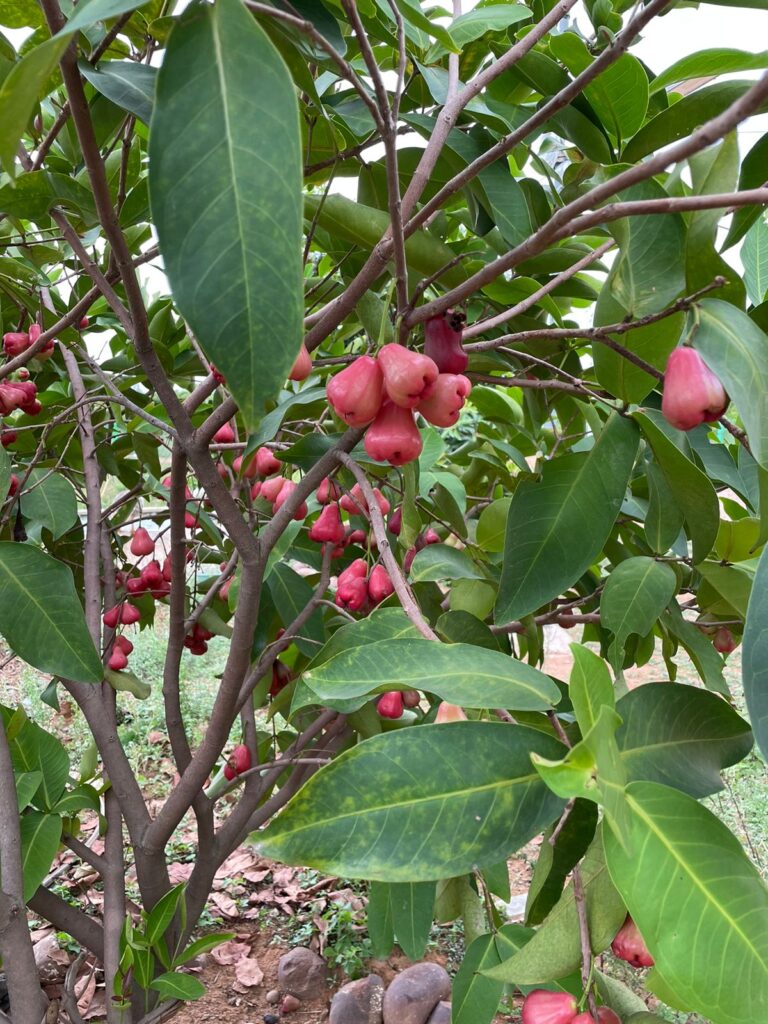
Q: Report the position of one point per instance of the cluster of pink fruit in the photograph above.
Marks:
(544, 1007)
(382, 393)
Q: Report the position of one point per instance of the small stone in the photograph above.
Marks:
(441, 1014)
(302, 973)
(289, 1004)
(414, 994)
(271, 1018)
(273, 996)
(358, 1002)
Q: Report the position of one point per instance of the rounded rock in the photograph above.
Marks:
(358, 1002)
(415, 993)
(441, 1013)
(302, 973)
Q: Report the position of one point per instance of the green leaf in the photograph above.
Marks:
(20, 14)
(51, 503)
(459, 673)
(579, 496)
(475, 997)
(752, 175)
(40, 835)
(20, 92)
(649, 273)
(754, 256)
(418, 804)
(364, 226)
(161, 915)
(27, 784)
(88, 12)
(680, 736)
(41, 616)
(291, 593)
(697, 901)
(379, 919)
(78, 799)
(555, 863)
(128, 84)
(225, 184)
(705, 63)
(682, 118)
(173, 985)
(474, 24)
(590, 686)
(36, 192)
(202, 945)
(692, 488)
(34, 749)
(554, 951)
(653, 343)
(708, 662)
(411, 905)
(754, 656)
(736, 350)
(635, 594)
(128, 682)
(492, 525)
(619, 95)
(442, 562)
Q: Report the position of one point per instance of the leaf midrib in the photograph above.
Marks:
(414, 802)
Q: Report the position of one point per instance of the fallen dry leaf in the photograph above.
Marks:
(248, 973)
(230, 952)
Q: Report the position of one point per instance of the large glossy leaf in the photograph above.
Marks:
(473, 677)
(364, 226)
(34, 750)
(33, 195)
(40, 835)
(20, 92)
(555, 862)
(90, 11)
(475, 997)
(590, 686)
(555, 951)
(692, 488)
(412, 904)
(683, 117)
(51, 503)
(418, 804)
(681, 736)
(41, 616)
(754, 256)
(735, 348)
(442, 562)
(128, 84)
(716, 61)
(291, 593)
(653, 343)
(635, 594)
(750, 176)
(755, 656)
(225, 185)
(699, 903)
(649, 272)
(708, 662)
(578, 496)
(619, 95)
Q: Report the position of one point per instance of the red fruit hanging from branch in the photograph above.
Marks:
(328, 491)
(224, 435)
(141, 543)
(543, 1007)
(357, 392)
(328, 527)
(442, 342)
(444, 404)
(302, 367)
(391, 704)
(380, 585)
(692, 393)
(266, 462)
(605, 1015)
(724, 641)
(408, 376)
(356, 505)
(629, 945)
(239, 761)
(393, 436)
